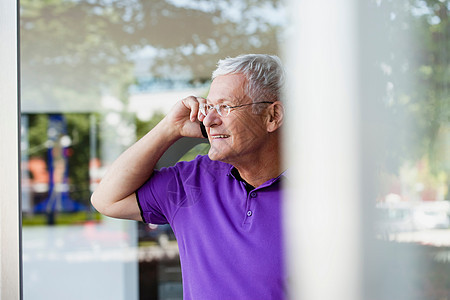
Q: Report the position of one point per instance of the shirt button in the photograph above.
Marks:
(249, 213)
(253, 194)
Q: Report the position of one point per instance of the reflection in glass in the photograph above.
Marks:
(414, 178)
(408, 112)
(95, 76)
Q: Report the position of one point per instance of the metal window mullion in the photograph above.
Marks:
(10, 264)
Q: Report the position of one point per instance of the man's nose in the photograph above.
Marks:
(212, 119)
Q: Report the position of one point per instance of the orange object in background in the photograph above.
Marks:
(39, 174)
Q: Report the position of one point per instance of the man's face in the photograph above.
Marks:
(235, 138)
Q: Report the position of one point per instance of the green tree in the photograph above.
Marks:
(73, 51)
(415, 65)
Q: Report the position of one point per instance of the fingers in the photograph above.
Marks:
(193, 104)
(201, 115)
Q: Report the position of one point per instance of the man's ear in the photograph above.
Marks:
(275, 116)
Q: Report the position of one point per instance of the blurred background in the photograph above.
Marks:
(97, 75)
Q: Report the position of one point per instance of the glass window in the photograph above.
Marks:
(95, 76)
(412, 207)
(368, 145)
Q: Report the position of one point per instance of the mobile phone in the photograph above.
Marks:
(203, 129)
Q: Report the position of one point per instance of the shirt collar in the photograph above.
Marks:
(233, 172)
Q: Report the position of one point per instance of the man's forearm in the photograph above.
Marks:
(132, 169)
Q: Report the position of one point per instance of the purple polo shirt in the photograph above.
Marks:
(229, 239)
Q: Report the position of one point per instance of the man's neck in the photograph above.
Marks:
(261, 170)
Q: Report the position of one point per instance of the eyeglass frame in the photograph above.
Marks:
(217, 107)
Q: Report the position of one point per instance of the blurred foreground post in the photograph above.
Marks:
(322, 149)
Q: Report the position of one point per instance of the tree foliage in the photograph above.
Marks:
(72, 51)
(416, 68)
(414, 38)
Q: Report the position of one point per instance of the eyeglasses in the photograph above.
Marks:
(223, 109)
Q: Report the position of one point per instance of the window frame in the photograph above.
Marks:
(10, 213)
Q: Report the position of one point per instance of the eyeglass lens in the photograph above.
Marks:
(222, 110)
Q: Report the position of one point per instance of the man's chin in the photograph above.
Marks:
(215, 155)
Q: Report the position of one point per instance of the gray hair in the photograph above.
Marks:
(264, 74)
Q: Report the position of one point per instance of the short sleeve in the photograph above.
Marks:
(179, 186)
(160, 197)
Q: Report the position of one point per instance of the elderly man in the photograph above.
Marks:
(224, 208)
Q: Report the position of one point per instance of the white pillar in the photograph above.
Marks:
(322, 206)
